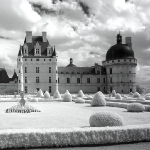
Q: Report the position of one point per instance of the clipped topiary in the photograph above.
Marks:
(147, 97)
(57, 94)
(98, 100)
(47, 95)
(80, 100)
(39, 93)
(101, 94)
(131, 93)
(106, 118)
(118, 96)
(113, 93)
(80, 94)
(135, 107)
(67, 97)
(136, 95)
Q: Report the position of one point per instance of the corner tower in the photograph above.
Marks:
(39, 62)
(120, 67)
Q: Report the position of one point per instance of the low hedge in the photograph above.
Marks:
(135, 107)
(50, 138)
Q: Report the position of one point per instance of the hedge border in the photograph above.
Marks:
(49, 138)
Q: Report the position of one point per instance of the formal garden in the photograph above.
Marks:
(60, 120)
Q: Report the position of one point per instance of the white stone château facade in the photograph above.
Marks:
(41, 71)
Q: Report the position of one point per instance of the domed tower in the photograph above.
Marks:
(120, 67)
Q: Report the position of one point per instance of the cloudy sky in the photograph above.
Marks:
(81, 29)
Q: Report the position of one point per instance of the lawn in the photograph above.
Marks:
(61, 115)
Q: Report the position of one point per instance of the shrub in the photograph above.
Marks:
(140, 99)
(33, 100)
(147, 108)
(131, 93)
(118, 96)
(80, 100)
(135, 107)
(80, 94)
(47, 95)
(147, 97)
(136, 95)
(104, 119)
(101, 94)
(57, 94)
(113, 93)
(67, 97)
(39, 93)
(98, 100)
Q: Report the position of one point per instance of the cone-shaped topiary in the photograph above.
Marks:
(136, 95)
(80, 94)
(106, 118)
(98, 100)
(131, 93)
(47, 95)
(67, 97)
(113, 93)
(101, 94)
(135, 107)
(57, 94)
(80, 100)
(39, 93)
(118, 96)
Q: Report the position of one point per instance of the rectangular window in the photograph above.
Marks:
(25, 69)
(130, 90)
(50, 89)
(110, 70)
(78, 80)
(25, 79)
(25, 89)
(98, 89)
(110, 89)
(98, 80)
(88, 80)
(37, 80)
(49, 69)
(58, 80)
(31, 59)
(37, 70)
(111, 80)
(49, 59)
(37, 59)
(103, 80)
(25, 59)
(49, 79)
(68, 80)
(19, 81)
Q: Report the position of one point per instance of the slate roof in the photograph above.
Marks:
(43, 45)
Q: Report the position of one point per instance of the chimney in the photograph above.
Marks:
(128, 41)
(44, 37)
(71, 61)
(28, 36)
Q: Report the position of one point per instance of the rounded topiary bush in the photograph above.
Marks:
(98, 100)
(47, 95)
(136, 95)
(39, 93)
(104, 119)
(80, 94)
(147, 97)
(67, 97)
(80, 100)
(118, 96)
(113, 93)
(57, 94)
(135, 107)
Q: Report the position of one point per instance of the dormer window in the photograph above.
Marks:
(49, 50)
(25, 50)
(37, 49)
